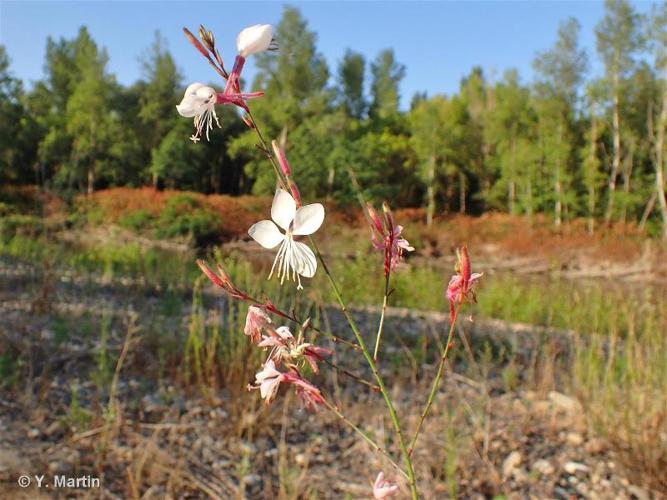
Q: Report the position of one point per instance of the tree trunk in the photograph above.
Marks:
(558, 208)
(511, 187)
(627, 177)
(91, 179)
(462, 193)
(616, 161)
(430, 192)
(592, 163)
(660, 161)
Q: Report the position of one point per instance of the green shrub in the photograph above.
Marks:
(23, 225)
(185, 215)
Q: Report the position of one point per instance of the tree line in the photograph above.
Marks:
(567, 144)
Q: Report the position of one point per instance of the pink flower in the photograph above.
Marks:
(386, 236)
(268, 380)
(255, 321)
(460, 285)
(382, 488)
(310, 395)
(314, 353)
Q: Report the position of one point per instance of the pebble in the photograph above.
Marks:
(574, 438)
(33, 433)
(544, 467)
(574, 467)
(511, 462)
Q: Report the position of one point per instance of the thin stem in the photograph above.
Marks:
(351, 375)
(385, 299)
(365, 436)
(436, 380)
(369, 359)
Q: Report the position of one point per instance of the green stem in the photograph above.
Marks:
(436, 380)
(378, 378)
(351, 375)
(369, 359)
(365, 436)
(378, 337)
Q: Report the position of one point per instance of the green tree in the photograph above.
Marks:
(387, 74)
(11, 114)
(351, 83)
(618, 40)
(511, 130)
(89, 119)
(658, 125)
(157, 96)
(440, 128)
(560, 72)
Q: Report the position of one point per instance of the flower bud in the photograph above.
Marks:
(254, 39)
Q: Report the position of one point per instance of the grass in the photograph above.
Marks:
(618, 367)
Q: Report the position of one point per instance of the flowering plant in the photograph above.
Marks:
(288, 354)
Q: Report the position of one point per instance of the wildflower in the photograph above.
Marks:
(250, 40)
(313, 354)
(256, 320)
(287, 349)
(254, 39)
(386, 236)
(268, 380)
(294, 258)
(199, 103)
(222, 280)
(382, 488)
(460, 285)
(309, 395)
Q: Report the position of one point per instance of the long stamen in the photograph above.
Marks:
(280, 250)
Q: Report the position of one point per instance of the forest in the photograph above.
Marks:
(569, 144)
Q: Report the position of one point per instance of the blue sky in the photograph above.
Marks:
(439, 42)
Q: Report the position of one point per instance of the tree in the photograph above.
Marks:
(11, 113)
(89, 119)
(387, 75)
(618, 39)
(657, 116)
(439, 135)
(511, 131)
(560, 72)
(351, 83)
(158, 95)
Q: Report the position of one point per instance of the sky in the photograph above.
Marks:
(438, 41)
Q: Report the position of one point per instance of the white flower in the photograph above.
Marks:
(199, 102)
(293, 256)
(268, 380)
(254, 39)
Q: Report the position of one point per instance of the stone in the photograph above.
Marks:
(544, 467)
(574, 467)
(574, 438)
(510, 463)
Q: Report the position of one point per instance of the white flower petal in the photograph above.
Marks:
(205, 93)
(254, 39)
(308, 219)
(303, 260)
(283, 209)
(188, 106)
(193, 88)
(266, 234)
